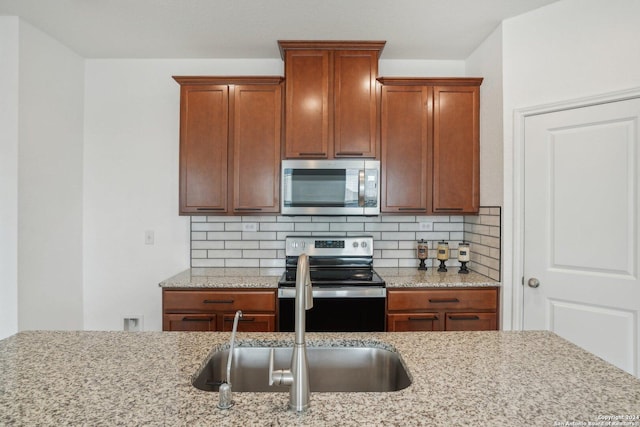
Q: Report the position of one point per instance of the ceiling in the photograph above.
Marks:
(413, 29)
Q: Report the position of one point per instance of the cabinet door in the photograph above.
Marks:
(413, 322)
(250, 322)
(257, 120)
(189, 322)
(204, 114)
(456, 149)
(307, 103)
(471, 322)
(405, 131)
(355, 103)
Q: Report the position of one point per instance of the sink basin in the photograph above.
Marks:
(331, 369)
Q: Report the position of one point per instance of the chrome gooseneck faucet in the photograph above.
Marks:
(225, 401)
(297, 377)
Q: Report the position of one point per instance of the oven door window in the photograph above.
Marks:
(335, 315)
(321, 187)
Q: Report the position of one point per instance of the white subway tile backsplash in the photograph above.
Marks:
(198, 235)
(218, 241)
(242, 244)
(405, 235)
(313, 226)
(242, 262)
(276, 226)
(207, 226)
(448, 226)
(207, 262)
(382, 226)
(224, 235)
(207, 244)
(346, 226)
(224, 253)
(272, 244)
(259, 235)
(198, 253)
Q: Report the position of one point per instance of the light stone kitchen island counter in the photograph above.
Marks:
(459, 379)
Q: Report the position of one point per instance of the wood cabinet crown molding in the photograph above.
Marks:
(228, 80)
(285, 45)
(431, 81)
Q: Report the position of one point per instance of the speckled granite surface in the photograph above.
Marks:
(225, 278)
(413, 278)
(268, 278)
(459, 379)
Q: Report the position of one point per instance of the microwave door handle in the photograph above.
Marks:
(361, 188)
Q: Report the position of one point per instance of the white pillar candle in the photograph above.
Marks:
(443, 251)
(463, 252)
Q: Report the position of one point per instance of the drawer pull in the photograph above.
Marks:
(313, 154)
(448, 209)
(412, 209)
(464, 317)
(218, 301)
(197, 319)
(418, 319)
(210, 209)
(248, 209)
(244, 319)
(349, 153)
(441, 300)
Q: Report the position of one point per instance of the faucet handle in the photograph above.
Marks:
(271, 361)
(279, 376)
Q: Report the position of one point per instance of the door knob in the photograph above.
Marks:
(533, 282)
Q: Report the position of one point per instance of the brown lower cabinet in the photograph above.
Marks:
(421, 309)
(214, 310)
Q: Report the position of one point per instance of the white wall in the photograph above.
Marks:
(486, 62)
(421, 68)
(9, 36)
(131, 183)
(49, 183)
(567, 50)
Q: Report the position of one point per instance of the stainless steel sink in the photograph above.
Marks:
(331, 369)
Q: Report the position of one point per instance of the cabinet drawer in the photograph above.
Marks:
(250, 322)
(207, 301)
(189, 322)
(441, 299)
(470, 322)
(413, 322)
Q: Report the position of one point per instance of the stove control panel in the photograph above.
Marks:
(329, 245)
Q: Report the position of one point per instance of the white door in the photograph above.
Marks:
(581, 255)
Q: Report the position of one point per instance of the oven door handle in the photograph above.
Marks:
(338, 292)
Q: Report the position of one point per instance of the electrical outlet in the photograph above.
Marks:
(249, 226)
(133, 323)
(425, 226)
(149, 237)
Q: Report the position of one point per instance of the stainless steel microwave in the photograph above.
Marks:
(330, 187)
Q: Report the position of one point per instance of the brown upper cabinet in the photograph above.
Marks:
(430, 145)
(331, 98)
(230, 144)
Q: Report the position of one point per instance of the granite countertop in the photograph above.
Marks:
(458, 379)
(268, 278)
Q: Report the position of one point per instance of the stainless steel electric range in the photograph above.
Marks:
(348, 295)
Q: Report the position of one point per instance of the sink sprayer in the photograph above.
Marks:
(225, 401)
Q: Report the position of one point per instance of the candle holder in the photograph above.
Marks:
(443, 255)
(463, 257)
(422, 253)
